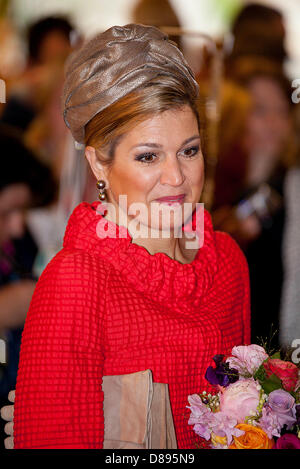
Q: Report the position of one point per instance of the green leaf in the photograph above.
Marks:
(260, 373)
(271, 383)
(275, 355)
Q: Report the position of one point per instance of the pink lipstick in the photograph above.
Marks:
(172, 199)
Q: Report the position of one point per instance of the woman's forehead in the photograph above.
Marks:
(179, 124)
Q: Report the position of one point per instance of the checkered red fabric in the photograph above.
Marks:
(106, 306)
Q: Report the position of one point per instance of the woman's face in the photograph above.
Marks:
(14, 200)
(55, 46)
(160, 157)
(269, 122)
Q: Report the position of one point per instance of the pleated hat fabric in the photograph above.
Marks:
(114, 63)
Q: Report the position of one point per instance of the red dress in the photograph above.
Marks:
(106, 306)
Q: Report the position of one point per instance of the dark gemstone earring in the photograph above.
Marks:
(101, 187)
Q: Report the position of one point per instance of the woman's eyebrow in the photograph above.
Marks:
(188, 140)
(157, 145)
(149, 144)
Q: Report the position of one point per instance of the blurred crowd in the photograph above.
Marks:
(255, 175)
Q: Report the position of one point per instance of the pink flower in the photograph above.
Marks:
(247, 359)
(240, 399)
(288, 441)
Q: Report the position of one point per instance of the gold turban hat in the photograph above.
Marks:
(113, 64)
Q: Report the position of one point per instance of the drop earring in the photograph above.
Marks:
(101, 187)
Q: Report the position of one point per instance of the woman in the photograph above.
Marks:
(118, 304)
(254, 170)
(20, 189)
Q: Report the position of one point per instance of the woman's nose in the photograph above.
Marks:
(171, 172)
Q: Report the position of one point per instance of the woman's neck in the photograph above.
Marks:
(173, 245)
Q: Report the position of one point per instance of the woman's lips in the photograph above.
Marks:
(171, 199)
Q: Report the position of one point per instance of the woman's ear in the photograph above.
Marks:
(94, 162)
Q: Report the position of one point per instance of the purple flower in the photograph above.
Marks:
(198, 409)
(205, 421)
(283, 405)
(269, 422)
(203, 430)
(287, 441)
(222, 374)
(223, 425)
(201, 416)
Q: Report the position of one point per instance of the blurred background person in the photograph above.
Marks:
(255, 153)
(33, 97)
(24, 183)
(258, 33)
(156, 13)
(33, 109)
(12, 57)
(249, 197)
(48, 45)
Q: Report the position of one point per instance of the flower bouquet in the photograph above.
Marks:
(256, 404)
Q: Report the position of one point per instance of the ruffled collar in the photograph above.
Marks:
(157, 276)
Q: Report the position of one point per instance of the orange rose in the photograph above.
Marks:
(286, 371)
(253, 438)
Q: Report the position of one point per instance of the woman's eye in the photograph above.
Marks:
(146, 157)
(189, 152)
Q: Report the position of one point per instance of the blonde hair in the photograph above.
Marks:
(162, 93)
